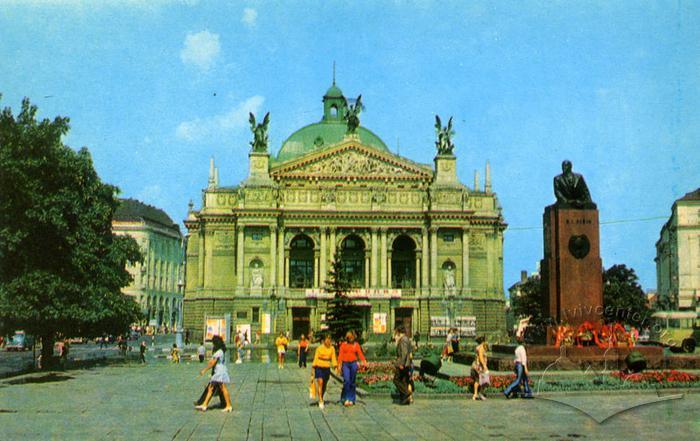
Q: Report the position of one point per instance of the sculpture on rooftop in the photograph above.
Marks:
(444, 137)
(259, 142)
(352, 116)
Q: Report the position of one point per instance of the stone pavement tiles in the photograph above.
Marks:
(154, 402)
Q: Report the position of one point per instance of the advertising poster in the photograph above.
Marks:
(215, 326)
(379, 323)
(265, 323)
(439, 326)
(466, 326)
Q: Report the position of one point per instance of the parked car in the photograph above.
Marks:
(20, 342)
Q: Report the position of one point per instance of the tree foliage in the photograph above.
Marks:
(341, 313)
(61, 268)
(623, 297)
(530, 304)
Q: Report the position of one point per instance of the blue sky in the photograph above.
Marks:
(154, 89)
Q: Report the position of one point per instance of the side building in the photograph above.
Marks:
(678, 255)
(420, 247)
(157, 283)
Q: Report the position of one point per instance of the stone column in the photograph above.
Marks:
(425, 248)
(389, 283)
(208, 264)
(418, 278)
(273, 255)
(332, 250)
(433, 257)
(286, 268)
(367, 262)
(490, 251)
(240, 237)
(280, 257)
(317, 276)
(382, 259)
(465, 260)
(324, 259)
(373, 261)
(200, 263)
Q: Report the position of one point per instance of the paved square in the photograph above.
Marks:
(154, 402)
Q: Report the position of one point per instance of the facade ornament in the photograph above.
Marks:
(444, 137)
(256, 278)
(352, 116)
(259, 142)
(449, 281)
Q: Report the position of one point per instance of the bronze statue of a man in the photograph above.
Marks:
(571, 190)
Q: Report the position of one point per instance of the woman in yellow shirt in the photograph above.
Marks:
(324, 359)
(281, 342)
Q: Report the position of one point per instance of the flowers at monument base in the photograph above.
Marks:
(670, 376)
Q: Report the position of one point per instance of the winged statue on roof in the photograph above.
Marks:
(259, 142)
(352, 115)
(444, 143)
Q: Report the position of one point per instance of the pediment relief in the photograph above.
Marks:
(353, 161)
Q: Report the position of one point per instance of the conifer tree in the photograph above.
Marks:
(341, 313)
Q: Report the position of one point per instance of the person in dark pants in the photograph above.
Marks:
(303, 350)
(402, 365)
(416, 338)
(142, 352)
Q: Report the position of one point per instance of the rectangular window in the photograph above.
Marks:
(242, 315)
(256, 314)
(448, 237)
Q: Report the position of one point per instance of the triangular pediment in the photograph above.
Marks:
(352, 160)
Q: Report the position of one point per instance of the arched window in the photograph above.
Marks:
(403, 263)
(352, 258)
(301, 262)
(334, 111)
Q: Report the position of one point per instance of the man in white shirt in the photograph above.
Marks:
(521, 373)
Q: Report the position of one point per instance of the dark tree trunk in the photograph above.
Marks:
(47, 359)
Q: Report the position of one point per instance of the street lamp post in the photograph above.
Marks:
(178, 329)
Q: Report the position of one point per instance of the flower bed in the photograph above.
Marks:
(377, 377)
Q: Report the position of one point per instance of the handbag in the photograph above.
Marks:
(484, 378)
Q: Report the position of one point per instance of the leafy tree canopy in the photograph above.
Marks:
(529, 303)
(61, 268)
(341, 314)
(623, 297)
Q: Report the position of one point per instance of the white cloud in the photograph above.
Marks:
(201, 49)
(250, 16)
(234, 119)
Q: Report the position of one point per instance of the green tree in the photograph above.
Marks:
(529, 303)
(341, 314)
(61, 268)
(624, 299)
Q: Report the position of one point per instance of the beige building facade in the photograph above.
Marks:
(419, 247)
(678, 255)
(158, 282)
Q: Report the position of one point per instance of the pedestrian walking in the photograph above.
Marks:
(238, 340)
(404, 353)
(448, 348)
(187, 337)
(201, 352)
(480, 371)
(142, 352)
(303, 350)
(521, 385)
(218, 381)
(175, 353)
(324, 359)
(281, 343)
(350, 351)
(416, 338)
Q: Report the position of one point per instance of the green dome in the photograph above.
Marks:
(334, 92)
(320, 135)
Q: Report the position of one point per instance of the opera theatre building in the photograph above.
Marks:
(417, 246)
